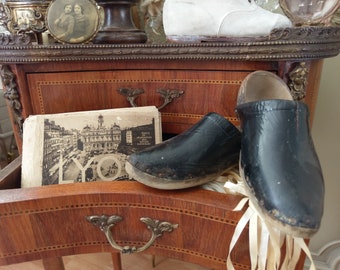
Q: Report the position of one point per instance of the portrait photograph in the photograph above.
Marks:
(73, 21)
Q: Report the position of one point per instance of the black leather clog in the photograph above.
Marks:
(192, 158)
(278, 161)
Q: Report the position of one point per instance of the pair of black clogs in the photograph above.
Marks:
(278, 163)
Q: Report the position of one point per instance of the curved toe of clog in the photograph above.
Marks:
(289, 197)
(192, 158)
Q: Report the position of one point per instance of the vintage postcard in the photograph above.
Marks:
(85, 146)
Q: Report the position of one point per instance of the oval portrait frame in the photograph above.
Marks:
(73, 21)
(322, 16)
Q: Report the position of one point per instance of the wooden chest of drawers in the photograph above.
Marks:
(184, 87)
(196, 79)
(201, 88)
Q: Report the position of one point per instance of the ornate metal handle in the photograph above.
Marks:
(105, 223)
(168, 95)
(131, 94)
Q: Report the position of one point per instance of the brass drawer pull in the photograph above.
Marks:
(105, 223)
(168, 95)
(131, 94)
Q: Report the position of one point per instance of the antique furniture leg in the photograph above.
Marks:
(116, 260)
(53, 263)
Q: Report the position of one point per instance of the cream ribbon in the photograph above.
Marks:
(265, 242)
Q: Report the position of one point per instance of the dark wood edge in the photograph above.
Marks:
(11, 174)
(117, 188)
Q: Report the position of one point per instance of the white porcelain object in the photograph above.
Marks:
(219, 18)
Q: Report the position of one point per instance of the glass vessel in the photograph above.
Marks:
(309, 12)
(271, 5)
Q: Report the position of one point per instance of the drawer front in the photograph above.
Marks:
(202, 92)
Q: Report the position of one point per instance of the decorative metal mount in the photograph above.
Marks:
(12, 95)
(131, 94)
(105, 223)
(10, 40)
(167, 94)
(297, 81)
(297, 44)
(21, 17)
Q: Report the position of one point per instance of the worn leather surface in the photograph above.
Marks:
(279, 161)
(210, 146)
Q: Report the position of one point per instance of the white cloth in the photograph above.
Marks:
(219, 18)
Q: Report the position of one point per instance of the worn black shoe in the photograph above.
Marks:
(192, 158)
(278, 162)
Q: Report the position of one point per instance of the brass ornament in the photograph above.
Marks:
(297, 81)
(156, 227)
(168, 95)
(11, 94)
(12, 40)
(21, 17)
(131, 94)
